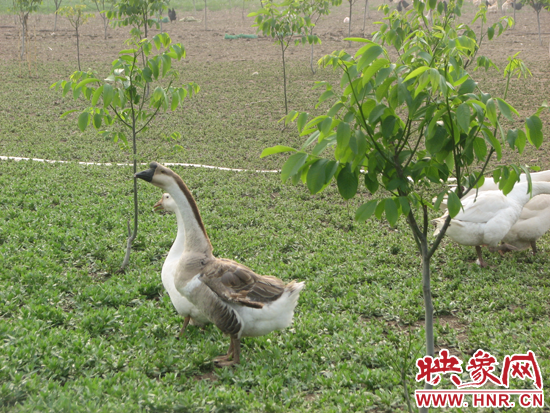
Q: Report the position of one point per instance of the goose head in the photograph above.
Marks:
(166, 204)
(158, 175)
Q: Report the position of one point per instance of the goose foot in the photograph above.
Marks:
(233, 355)
(185, 324)
(480, 260)
(534, 247)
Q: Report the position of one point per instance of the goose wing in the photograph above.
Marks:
(482, 208)
(236, 283)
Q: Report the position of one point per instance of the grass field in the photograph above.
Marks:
(77, 336)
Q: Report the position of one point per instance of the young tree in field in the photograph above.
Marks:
(77, 17)
(137, 13)
(22, 9)
(312, 10)
(120, 108)
(538, 5)
(402, 125)
(205, 15)
(104, 6)
(283, 23)
(57, 4)
(365, 15)
(351, 3)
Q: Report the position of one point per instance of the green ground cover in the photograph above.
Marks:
(76, 336)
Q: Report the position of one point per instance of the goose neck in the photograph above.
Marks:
(194, 233)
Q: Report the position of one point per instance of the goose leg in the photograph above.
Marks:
(534, 247)
(233, 355)
(482, 263)
(185, 323)
(226, 356)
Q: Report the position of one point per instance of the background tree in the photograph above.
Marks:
(312, 10)
(103, 7)
(121, 99)
(137, 13)
(283, 23)
(22, 9)
(77, 17)
(538, 5)
(57, 4)
(351, 3)
(410, 124)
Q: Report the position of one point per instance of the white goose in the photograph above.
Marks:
(534, 220)
(182, 305)
(237, 300)
(487, 218)
(532, 224)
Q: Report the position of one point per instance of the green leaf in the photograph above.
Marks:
(371, 183)
(97, 120)
(86, 81)
(97, 94)
(480, 149)
(325, 126)
(83, 121)
(365, 211)
(521, 141)
(533, 127)
(416, 72)
(376, 113)
(453, 204)
(316, 176)
(166, 64)
(405, 206)
(108, 94)
(463, 117)
(391, 211)
(506, 109)
(343, 133)
(491, 111)
(301, 122)
(293, 165)
(276, 149)
(175, 100)
(368, 57)
(347, 182)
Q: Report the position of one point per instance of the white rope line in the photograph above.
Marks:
(191, 165)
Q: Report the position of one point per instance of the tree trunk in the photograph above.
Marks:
(105, 25)
(23, 35)
(55, 22)
(538, 22)
(349, 23)
(243, 10)
(284, 77)
(428, 307)
(132, 234)
(78, 47)
(205, 17)
(311, 57)
(365, 15)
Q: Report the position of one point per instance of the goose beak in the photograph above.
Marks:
(158, 206)
(147, 175)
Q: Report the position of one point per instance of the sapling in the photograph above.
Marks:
(538, 6)
(57, 4)
(104, 6)
(284, 24)
(22, 9)
(77, 17)
(402, 125)
(120, 103)
(312, 10)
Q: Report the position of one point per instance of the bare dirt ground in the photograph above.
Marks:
(210, 46)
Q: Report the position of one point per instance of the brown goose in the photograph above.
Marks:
(238, 301)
